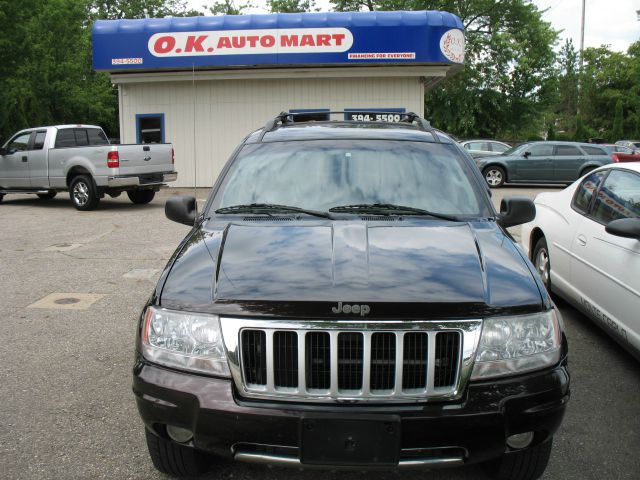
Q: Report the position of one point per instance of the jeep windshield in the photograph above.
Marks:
(320, 175)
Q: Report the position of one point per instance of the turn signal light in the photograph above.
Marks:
(173, 157)
(113, 159)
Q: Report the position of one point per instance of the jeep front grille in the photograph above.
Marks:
(333, 361)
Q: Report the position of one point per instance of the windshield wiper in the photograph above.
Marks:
(388, 209)
(270, 207)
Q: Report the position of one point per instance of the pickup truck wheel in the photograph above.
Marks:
(175, 459)
(494, 176)
(83, 193)
(526, 464)
(141, 197)
(47, 196)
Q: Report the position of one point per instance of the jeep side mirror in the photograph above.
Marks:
(181, 209)
(624, 227)
(516, 211)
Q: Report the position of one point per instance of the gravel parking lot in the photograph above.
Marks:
(72, 286)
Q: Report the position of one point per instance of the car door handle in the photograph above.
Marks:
(582, 240)
(24, 159)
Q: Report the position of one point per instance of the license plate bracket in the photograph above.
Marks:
(349, 441)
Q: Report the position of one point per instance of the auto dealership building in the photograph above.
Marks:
(203, 83)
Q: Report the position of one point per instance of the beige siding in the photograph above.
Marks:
(227, 110)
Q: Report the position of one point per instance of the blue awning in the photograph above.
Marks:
(279, 40)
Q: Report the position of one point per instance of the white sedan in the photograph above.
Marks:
(585, 244)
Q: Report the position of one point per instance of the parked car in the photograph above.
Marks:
(633, 144)
(622, 154)
(80, 160)
(349, 297)
(585, 243)
(542, 162)
(484, 148)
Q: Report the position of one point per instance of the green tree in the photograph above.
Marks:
(116, 9)
(616, 131)
(566, 105)
(610, 78)
(228, 7)
(581, 134)
(290, 6)
(551, 130)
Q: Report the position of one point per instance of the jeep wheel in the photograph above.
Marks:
(526, 464)
(47, 196)
(494, 176)
(83, 193)
(542, 262)
(141, 197)
(175, 459)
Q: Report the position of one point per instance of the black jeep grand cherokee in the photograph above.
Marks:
(349, 297)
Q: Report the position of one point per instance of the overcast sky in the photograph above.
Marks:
(608, 22)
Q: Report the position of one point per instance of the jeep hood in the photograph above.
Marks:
(451, 268)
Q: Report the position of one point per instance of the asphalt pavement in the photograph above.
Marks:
(72, 285)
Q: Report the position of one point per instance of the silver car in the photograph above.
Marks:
(484, 148)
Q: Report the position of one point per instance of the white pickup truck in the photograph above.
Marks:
(80, 160)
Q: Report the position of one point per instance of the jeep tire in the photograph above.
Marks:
(174, 459)
(528, 464)
(141, 197)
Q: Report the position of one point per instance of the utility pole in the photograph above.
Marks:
(581, 57)
(582, 36)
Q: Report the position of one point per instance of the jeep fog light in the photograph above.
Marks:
(179, 434)
(520, 440)
(516, 344)
(184, 340)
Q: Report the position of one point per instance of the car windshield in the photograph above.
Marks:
(322, 174)
(515, 150)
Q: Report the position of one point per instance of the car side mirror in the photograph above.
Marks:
(3, 151)
(181, 209)
(526, 154)
(516, 211)
(624, 227)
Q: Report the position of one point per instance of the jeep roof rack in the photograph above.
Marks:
(286, 118)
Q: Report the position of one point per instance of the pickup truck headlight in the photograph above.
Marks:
(517, 344)
(184, 340)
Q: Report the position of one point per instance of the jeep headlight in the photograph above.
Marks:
(517, 344)
(184, 340)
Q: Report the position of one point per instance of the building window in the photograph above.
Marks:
(310, 114)
(150, 128)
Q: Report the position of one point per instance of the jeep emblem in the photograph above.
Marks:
(346, 308)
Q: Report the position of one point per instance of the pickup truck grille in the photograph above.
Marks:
(316, 363)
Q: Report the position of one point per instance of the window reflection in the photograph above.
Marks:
(619, 197)
(323, 174)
